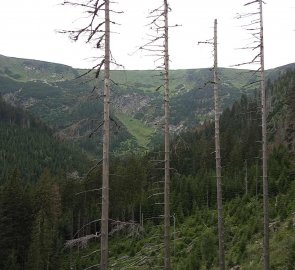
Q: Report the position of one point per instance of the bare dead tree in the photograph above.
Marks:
(106, 145)
(167, 143)
(256, 29)
(97, 32)
(264, 147)
(158, 46)
(217, 155)
(217, 146)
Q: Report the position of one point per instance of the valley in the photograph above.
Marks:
(51, 169)
(69, 105)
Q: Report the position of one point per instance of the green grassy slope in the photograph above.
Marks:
(181, 81)
(135, 127)
(27, 70)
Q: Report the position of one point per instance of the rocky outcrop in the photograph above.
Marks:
(130, 103)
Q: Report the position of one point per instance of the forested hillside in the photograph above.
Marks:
(28, 146)
(37, 221)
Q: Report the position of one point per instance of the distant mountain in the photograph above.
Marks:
(32, 70)
(52, 92)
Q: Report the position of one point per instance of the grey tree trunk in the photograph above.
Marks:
(106, 146)
(167, 262)
(264, 148)
(217, 155)
(246, 177)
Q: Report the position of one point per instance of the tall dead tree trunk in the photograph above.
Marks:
(255, 27)
(246, 177)
(94, 34)
(217, 155)
(106, 145)
(159, 46)
(264, 148)
(167, 143)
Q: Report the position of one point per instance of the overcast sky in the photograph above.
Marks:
(28, 30)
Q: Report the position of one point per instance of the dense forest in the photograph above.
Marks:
(28, 145)
(49, 215)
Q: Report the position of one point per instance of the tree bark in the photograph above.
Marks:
(264, 148)
(167, 263)
(106, 146)
(246, 177)
(217, 155)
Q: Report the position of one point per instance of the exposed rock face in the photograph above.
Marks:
(16, 100)
(80, 129)
(10, 98)
(130, 103)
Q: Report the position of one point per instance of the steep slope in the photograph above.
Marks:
(282, 110)
(28, 145)
(33, 70)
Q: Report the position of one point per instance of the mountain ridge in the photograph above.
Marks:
(52, 92)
